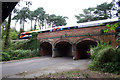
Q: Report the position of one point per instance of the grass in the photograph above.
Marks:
(67, 74)
(79, 74)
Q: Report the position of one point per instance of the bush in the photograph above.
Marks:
(19, 54)
(14, 35)
(96, 49)
(5, 56)
(19, 45)
(26, 45)
(105, 59)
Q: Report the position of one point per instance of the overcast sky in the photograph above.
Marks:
(68, 8)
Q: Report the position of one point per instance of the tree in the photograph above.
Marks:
(7, 38)
(39, 15)
(14, 35)
(15, 11)
(22, 15)
(87, 16)
(100, 12)
(118, 9)
(51, 19)
(103, 11)
(54, 20)
(4, 24)
(45, 20)
(24, 12)
(31, 17)
(60, 21)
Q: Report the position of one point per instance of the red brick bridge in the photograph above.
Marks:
(73, 42)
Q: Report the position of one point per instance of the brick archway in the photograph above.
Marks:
(86, 38)
(42, 41)
(45, 48)
(83, 46)
(63, 48)
(65, 40)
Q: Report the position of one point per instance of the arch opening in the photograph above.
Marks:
(83, 47)
(46, 49)
(63, 49)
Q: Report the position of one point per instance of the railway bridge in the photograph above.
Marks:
(73, 42)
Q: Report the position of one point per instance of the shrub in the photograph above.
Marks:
(19, 45)
(14, 35)
(19, 54)
(5, 56)
(106, 59)
(96, 49)
(26, 45)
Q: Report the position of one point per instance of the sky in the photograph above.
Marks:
(68, 8)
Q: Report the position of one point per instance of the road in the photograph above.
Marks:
(29, 68)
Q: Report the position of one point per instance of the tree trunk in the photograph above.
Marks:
(15, 25)
(31, 24)
(110, 14)
(7, 43)
(23, 25)
(35, 24)
(39, 24)
(52, 24)
(45, 24)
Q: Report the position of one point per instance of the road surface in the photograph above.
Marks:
(30, 68)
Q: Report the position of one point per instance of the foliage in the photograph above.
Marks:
(18, 45)
(31, 44)
(39, 15)
(14, 35)
(25, 45)
(18, 54)
(7, 35)
(113, 27)
(118, 14)
(31, 17)
(96, 49)
(100, 12)
(22, 15)
(5, 56)
(4, 25)
(87, 16)
(106, 59)
(22, 49)
(54, 20)
(103, 11)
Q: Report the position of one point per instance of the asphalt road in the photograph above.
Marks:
(29, 68)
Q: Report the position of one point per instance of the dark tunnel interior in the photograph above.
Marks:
(83, 47)
(63, 49)
(46, 49)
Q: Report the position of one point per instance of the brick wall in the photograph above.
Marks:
(80, 31)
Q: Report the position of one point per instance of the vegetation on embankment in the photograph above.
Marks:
(105, 58)
(21, 49)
